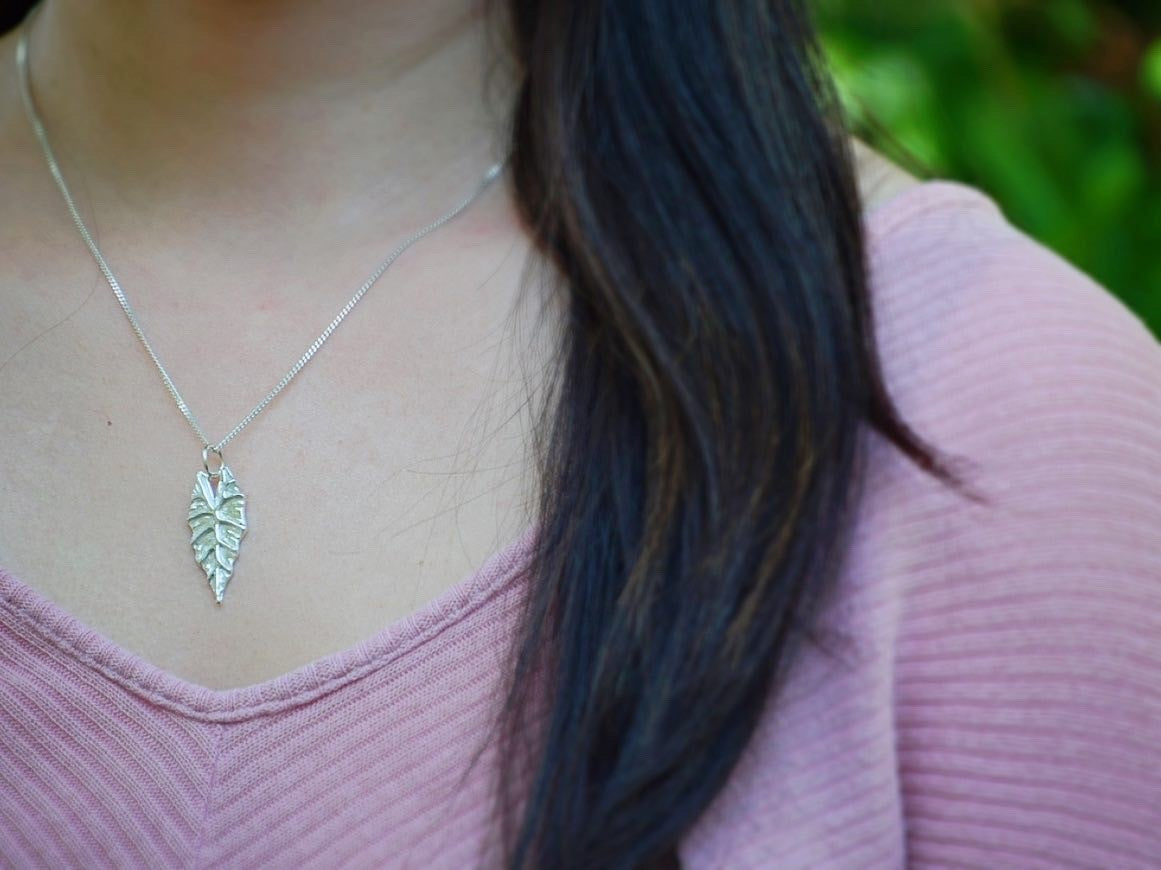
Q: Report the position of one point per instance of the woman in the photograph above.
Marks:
(568, 549)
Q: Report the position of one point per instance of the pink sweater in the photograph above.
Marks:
(1000, 704)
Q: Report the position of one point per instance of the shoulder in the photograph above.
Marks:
(998, 684)
(974, 318)
(998, 689)
(1027, 655)
(1047, 389)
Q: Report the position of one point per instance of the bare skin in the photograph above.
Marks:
(396, 462)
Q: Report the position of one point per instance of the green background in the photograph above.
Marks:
(1052, 107)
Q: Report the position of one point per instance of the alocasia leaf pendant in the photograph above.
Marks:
(217, 522)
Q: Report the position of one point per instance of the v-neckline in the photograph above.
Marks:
(22, 605)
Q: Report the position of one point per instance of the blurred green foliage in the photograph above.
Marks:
(1053, 107)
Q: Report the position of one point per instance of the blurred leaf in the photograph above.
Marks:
(1019, 99)
(1151, 69)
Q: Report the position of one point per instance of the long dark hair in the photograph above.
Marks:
(685, 167)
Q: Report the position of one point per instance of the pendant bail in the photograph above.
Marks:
(206, 451)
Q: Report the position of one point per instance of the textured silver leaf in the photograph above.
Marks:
(217, 521)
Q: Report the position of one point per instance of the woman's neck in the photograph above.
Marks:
(344, 108)
(221, 104)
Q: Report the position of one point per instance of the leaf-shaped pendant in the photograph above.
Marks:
(217, 520)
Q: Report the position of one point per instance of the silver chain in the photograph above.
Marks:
(54, 168)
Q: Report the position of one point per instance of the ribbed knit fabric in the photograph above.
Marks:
(997, 702)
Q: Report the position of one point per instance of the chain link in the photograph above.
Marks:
(54, 168)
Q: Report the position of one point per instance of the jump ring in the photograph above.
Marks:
(206, 451)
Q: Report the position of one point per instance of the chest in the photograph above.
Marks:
(390, 468)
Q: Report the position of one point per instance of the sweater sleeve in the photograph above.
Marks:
(1027, 672)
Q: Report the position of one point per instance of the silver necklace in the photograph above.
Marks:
(217, 510)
